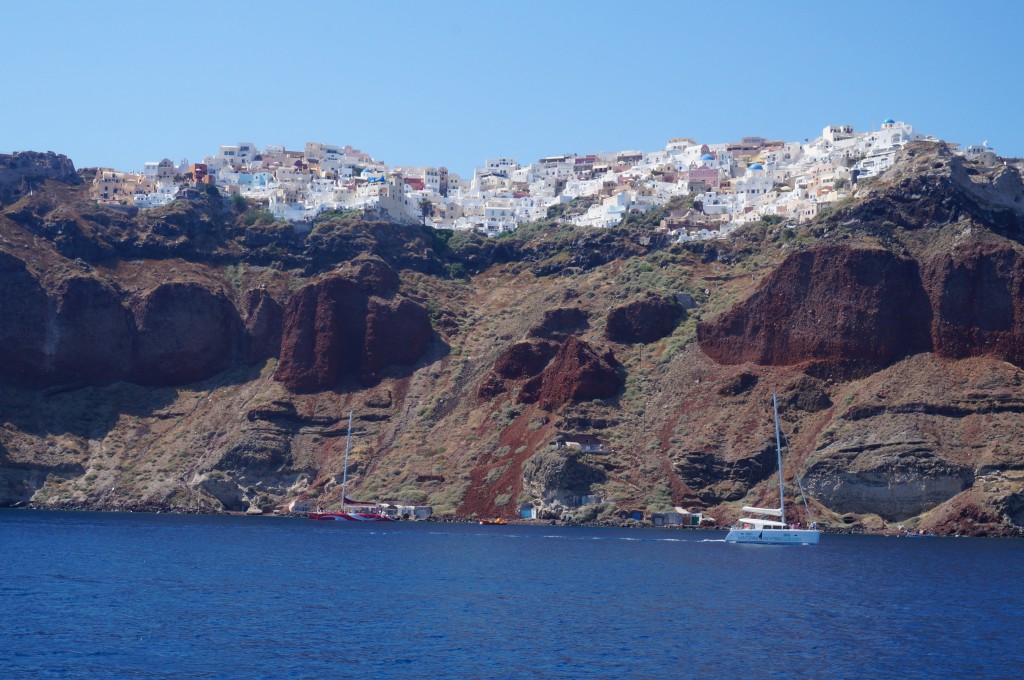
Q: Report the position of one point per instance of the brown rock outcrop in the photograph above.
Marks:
(576, 373)
(559, 476)
(650, 318)
(397, 334)
(858, 306)
(186, 333)
(324, 326)
(25, 170)
(263, 323)
(81, 330)
(341, 326)
(524, 359)
(91, 335)
(977, 296)
(520, 360)
(560, 322)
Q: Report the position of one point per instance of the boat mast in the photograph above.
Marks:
(344, 475)
(778, 450)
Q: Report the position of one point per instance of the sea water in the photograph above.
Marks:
(96, 595)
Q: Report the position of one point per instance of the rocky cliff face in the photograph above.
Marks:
(576, 373)
(833, 304)
(343, 325)
(977, 297)
(184, 333)
(83, 328)
(645, 320)
(25, 171)
(197, 359)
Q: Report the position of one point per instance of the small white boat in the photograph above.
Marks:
(772, 531)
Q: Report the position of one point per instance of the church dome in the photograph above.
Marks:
(707, 157)
(755, 166)
(888, 121)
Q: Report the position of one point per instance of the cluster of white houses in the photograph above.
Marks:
(731, 183)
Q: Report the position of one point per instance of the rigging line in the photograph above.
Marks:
(800, 483)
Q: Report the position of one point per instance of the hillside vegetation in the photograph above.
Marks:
(204, 357)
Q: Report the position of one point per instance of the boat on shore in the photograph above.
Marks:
(360, 512)
(498, 520)
(770, 527)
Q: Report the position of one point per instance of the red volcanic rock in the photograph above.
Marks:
(339, 326)
(78, 331)
(977, 296)
(858, 306)
(491, 386)
(520, 360)
(373, 276)
(524, 359)
(577, 373)
(397, 333)
(322, 339)
(185, 333)
(92, 335)
(81, 330)
(263, 323)
(645, 320)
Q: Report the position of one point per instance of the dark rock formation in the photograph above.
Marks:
(715, 479)
(805, 394)
(24, 307)
(559, 323)
(835, 304)
(650, 318)
(263, 324)
(397, 334)
(519, 361)
(186, 333)
(23, 171)
(92, 334)
(576, 373)
(340, 326)
(932, 186)
(737, 385)
(524, 359)
(558, 475)
(977, 296)
(81, 330)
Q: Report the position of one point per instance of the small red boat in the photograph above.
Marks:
(362, 512)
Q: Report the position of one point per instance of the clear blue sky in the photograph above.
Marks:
(452, 83)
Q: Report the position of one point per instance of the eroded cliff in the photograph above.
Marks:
(199, 358)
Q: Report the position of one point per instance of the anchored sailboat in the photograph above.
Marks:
(363, 512)
(771, 531)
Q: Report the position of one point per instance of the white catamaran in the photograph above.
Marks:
(771, 531)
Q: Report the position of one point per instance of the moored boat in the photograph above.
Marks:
(360, 512)
(771, 527)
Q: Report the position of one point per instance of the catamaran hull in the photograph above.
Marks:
(773, 536)
(350, 516)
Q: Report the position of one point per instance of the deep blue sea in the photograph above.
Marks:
(94, 595)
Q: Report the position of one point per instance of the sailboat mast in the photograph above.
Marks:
(778, 450)
(344, 475)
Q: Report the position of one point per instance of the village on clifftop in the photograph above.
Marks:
(730, 184)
